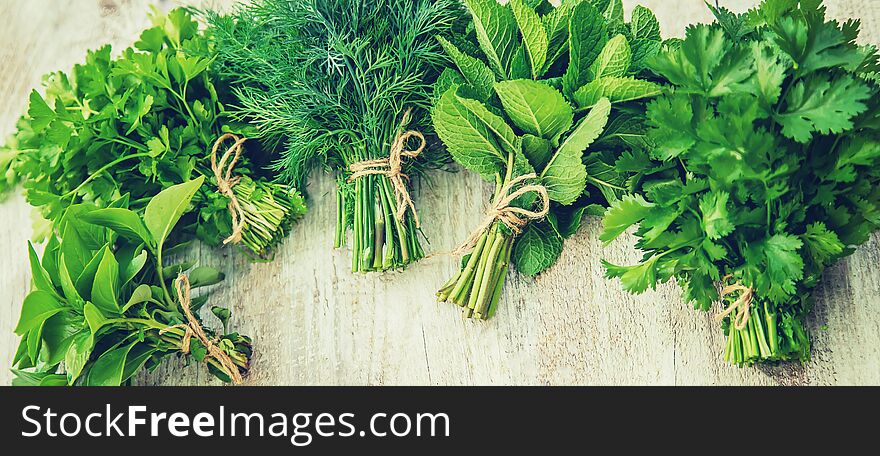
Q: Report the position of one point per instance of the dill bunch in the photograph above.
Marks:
(335, 82)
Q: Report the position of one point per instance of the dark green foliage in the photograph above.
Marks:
(764, 168)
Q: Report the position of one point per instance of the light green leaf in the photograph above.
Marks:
(109, 367)
(58, 332)
(537, 248)
(468, 139)
(475, 72)
(94, 318)
(565, 176)
(142, 293)
(822, 105)
(535, 108)
(166, 208)
(614, 60)
(128, 270)
(204, 276)
(614, 12)
(533, 34)
(105, 288)
(504, 135)
(588, 35)
(616, 90)
(634, 279)
(37, 307)
(123, 221)
(41, 278)
(78, 354)
(496, 31)
(716, 219)
(622, 214)
(644, 25)
(822, 243)
(537, 150)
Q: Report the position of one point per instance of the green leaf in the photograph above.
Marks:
(616, 90)
(35, 309)
(143, 293)
(537, 248)
(39, 111)
(78, 354)
(496, 31)
(136, 358)
(123, 221)
(87, 278)
(94, 318)
(203, 276)
(467, 137)
(716, 219)
(67, 286)
(504, 135)
(533, 34)
(535, 108)
(475, 72)
(41, 278)
(565, 176)
(643, 24)
(587, 37)
(614, 60)
(634, 279)
(823, 244)
(822, 105)
(537, 150)
(128, 270)
(58, 332)
(622, 214)
(108, 369)
(105, 288)
(166, 208)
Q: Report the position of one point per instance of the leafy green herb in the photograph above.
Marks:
(137, 124)
(764, 170)
(336, 82)
(102, 306)
(550, 92)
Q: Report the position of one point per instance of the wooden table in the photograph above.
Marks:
(315, 323)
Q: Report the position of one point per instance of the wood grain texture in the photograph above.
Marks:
(315, 323)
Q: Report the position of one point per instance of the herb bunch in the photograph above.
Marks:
(103, 303)
(136, 124)
(763, 171)
(543, 100)
(336, 82)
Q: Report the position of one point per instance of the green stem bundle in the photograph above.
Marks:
(477, 286)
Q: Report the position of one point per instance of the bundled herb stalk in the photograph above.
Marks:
(345, 83)
(141, 122)
(764, 171)
(543, 101)
(104, 305)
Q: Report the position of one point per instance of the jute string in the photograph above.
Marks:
(193, 328)
(742, 306)
(392, 167)
(515, 218)
(225, 181)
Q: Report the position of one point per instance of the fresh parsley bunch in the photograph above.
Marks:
(763, 170)
(136, 124)
(535, 87)
(336, 82)
(104, 303)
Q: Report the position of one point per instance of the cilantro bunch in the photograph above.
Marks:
(762, 170)
(104, 303)
(139, 123)
(336, 82)
(542, 101)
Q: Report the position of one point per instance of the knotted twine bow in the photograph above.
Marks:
(193, 328)
(225, 181)
(515, 218)
(742, 306)
(392, 167)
